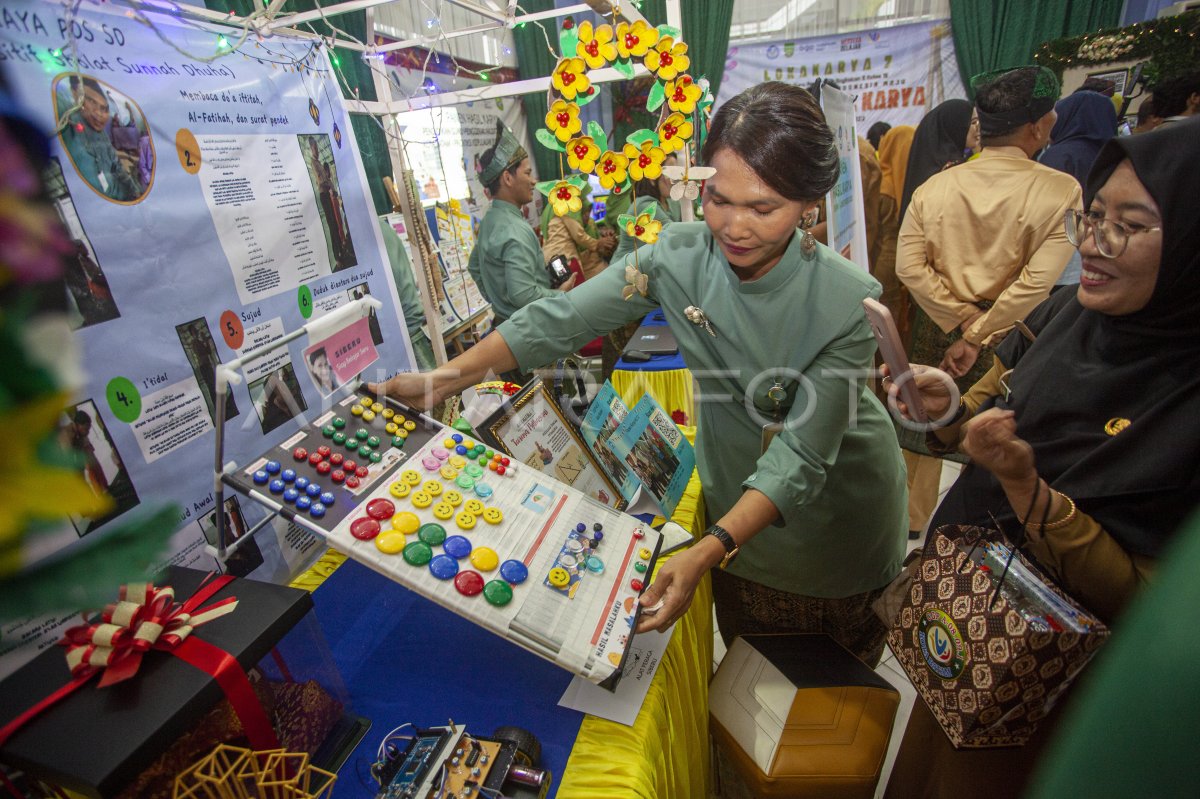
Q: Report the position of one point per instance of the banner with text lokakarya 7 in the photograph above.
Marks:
(896, 74)
(216, 200)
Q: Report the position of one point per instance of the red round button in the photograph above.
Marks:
(314, 459)
(299, 453)
(380, 509)
(323, 451)
(323, 467)
(337, 476)
(336, 458)
(351, 481)
(636, 585)
(361, 471)
(504, 461)
(364, 529)
(500, 469)
(349, 465)
(468, 583)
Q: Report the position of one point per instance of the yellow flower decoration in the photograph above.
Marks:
(635, 39)
(596, 48)
(582, 153)
(668, 58)
(563, 120)
(569, 78)
(565, 199)
(673, 132)
(611, 169)
(645, 161)
(683, 94)
(644, 228)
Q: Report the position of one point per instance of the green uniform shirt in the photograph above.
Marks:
(835, 473)
(97, 161)
(507, 261)
(625, 242)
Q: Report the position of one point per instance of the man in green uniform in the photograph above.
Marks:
(507, 260)
(91, 149)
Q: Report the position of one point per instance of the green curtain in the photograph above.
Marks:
(1006, 33)
(372, 143)
(535, 61)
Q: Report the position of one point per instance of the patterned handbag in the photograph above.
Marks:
(988, 641)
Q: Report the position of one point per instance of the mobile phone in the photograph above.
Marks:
(559, 271)
(888, 338)
(635, 356)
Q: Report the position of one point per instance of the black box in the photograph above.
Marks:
(98, 740)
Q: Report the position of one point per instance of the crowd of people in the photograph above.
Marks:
(1043, 262)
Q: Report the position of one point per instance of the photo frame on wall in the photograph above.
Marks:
(532, 429)
(1117, 77)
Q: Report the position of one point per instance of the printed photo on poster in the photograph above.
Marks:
(106, 137)
(357, 292)
(653, 460)
(318, 157)
(341, 356)
(247, 557)
(83, 433)
(321, 370)
(277, 398)
(201, 352)
(87, 287)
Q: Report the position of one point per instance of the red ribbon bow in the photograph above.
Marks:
(145, 618)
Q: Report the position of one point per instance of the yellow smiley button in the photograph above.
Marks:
(432, 487)
(449, 443)
(559, 577)
(399, 490)
(473, 507)
(448, 472)
(421, 500)
(406, 522)
(366, 402)
(388, 413)
(402, 433)
(493, 515)
(410, 425)
(368, 415)
(377, 406)
(457, 461)
(484, 558)
(390, 542)
(356, 410)
(644, 553)
(453, 497)
(465, 521)
(410, 477)
(390, 428)
(443, 510)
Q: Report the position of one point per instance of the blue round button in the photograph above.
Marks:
(290, 495)
(327, 498)
(261, 477)
(272, 467)
(581, 528)
(483, 490)
(461, 449)
(458, 439)
(287, 475)
(313, 490)
(457, 546)
(598, 536)
(303, 503)
(513, 571)
(301, 483)
(316, 510)
(276, 486)
(443, 567)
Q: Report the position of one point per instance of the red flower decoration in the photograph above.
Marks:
(679, 417)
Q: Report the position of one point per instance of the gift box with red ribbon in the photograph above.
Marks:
(142, 674)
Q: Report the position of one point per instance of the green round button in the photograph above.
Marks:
(480, 449)
(365, 451)
(483, 460)
(417, 553)
(373, 442)
(361, 434)
(338, 422)
(375, 457)
(328, 431)
(489, 454)
(640, 566)
(123, 399)
(339, 437)
(465, 481)
(474, 470)
(432, 534)
(497, 592)
(398, 442)
(352, 444)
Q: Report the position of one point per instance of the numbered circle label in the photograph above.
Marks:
(304, 298)
(232, 330)
(188, 151)
(123, 399)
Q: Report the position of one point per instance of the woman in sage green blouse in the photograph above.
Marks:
(818, 515)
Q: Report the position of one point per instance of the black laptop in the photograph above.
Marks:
(653, 340)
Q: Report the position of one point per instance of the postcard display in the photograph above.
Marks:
(214, 204)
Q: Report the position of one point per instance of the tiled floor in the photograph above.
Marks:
(888, 668)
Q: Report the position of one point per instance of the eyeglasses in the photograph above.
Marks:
(1111, 237)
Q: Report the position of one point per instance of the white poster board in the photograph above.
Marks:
(847, 221)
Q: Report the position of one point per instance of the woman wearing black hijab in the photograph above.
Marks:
(940, 141)
(1096, 428)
